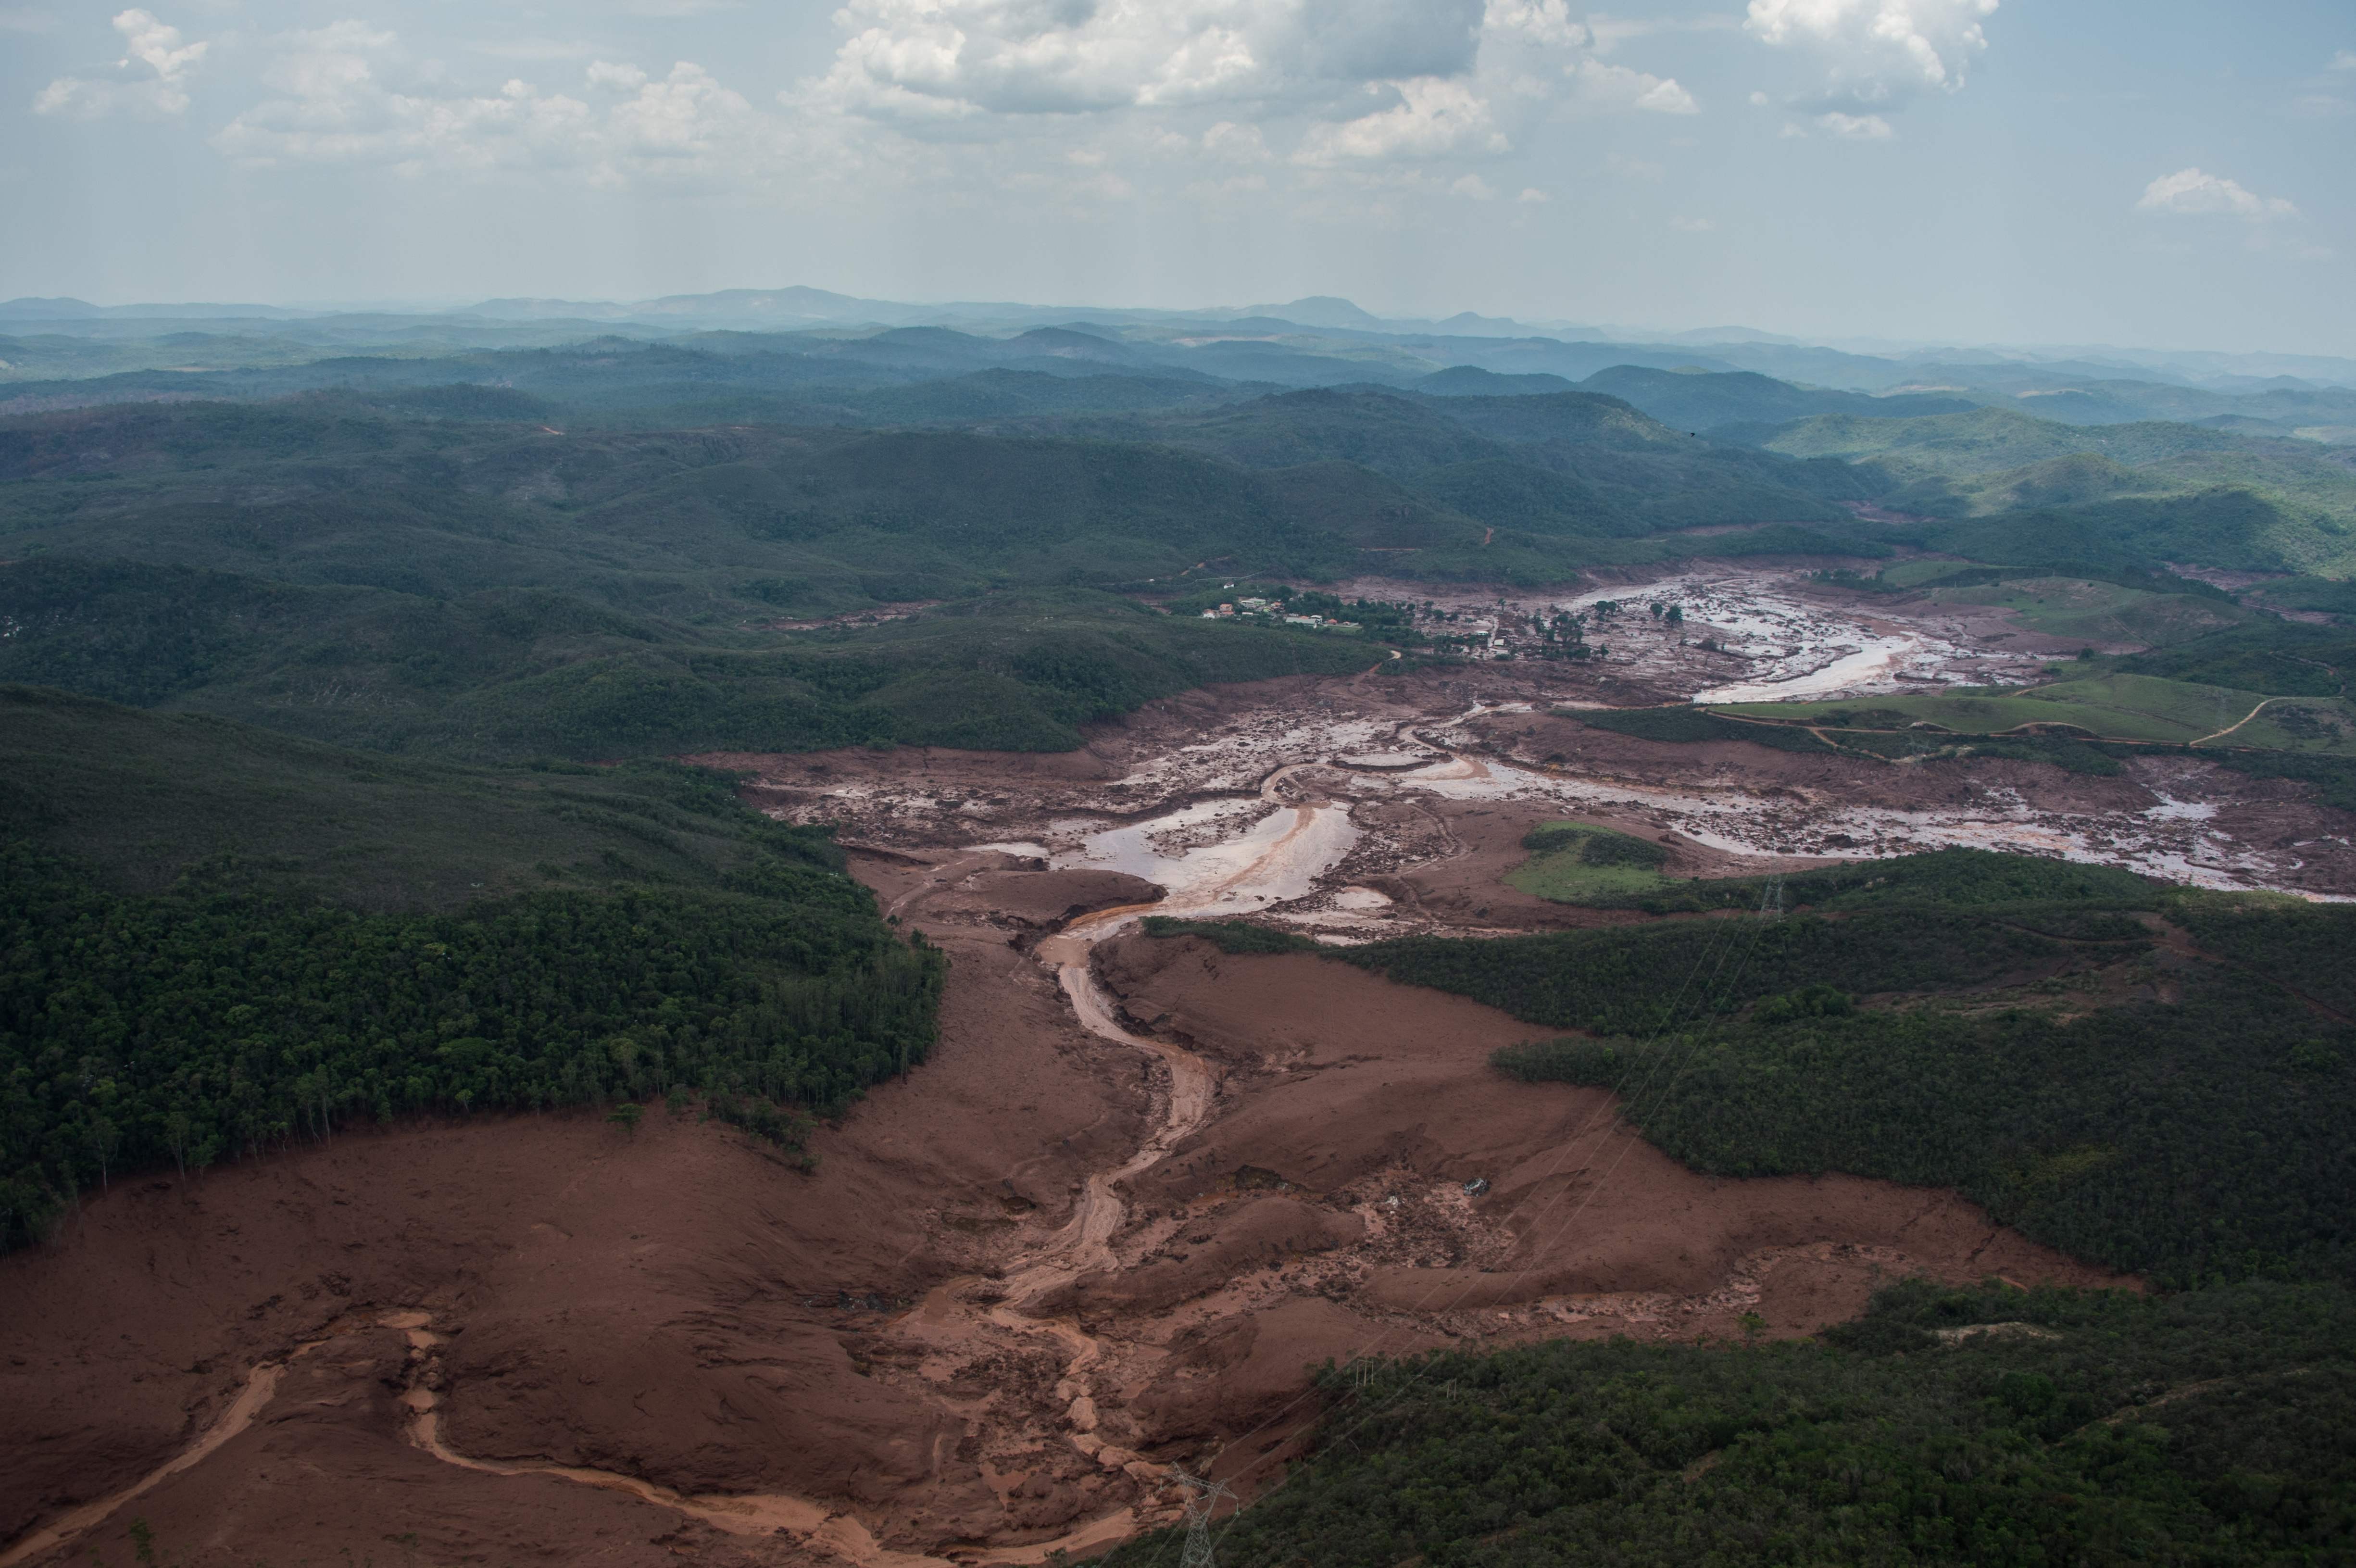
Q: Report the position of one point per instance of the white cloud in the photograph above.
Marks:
(1692, 225)
(1611, 32)
(1434, 118)
(1474, 186)
(1229, 142)
(336, 106)
(1856, 127)
(1543, 22)
(1532, 196)
(927, 62)
(147, 43)
(1880, 52)
(1618, 87)
(2191, 193)
(2344, 61)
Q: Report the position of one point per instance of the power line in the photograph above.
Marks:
(1203, 1496)
(1770, 903)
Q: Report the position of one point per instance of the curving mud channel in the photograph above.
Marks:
(1141, 1187)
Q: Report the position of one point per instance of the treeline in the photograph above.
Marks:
(2211, 1138)
(1642, 979)
(175, 1031)
(1977, 880)
(513, 673)
(2209, 1428)
(2211, 1135)
(1635, 980)
(2304, 946)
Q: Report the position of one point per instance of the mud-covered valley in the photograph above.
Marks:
(1138, 1190)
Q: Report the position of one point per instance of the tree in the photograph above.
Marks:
(178, 1132)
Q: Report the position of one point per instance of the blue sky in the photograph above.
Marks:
(2159, 174)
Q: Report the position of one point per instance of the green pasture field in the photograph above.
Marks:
(1579, 863)
(2301, 724)
(2111, 708)
(2098, 612)
(1906, 574)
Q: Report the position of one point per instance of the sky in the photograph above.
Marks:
(2159, 173)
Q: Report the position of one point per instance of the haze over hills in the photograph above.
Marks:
(801, 308)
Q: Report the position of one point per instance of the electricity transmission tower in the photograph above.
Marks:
(1203, 1495)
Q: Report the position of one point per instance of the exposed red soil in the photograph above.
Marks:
(1362, 1077)
(679, 1307)
(663, 1303)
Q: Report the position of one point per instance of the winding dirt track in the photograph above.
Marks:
(260, 1383)
(1082, 1246)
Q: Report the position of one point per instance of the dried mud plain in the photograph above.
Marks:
(1140, 1186)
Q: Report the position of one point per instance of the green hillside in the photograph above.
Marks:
(511, 674)
(2283, 659)
(1703, 401)
(2129, 707)
(2097, 611)
(2146, 493)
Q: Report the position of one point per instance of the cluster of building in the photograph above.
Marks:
(1274, 609)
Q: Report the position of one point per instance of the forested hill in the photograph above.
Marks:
(615, 548)
(214, 941)
(510, 674)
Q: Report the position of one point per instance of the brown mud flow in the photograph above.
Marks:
(1139, 1187)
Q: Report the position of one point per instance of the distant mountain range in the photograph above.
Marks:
(1318, 340)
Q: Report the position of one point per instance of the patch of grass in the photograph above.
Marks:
(1230, 936)
(1579, 863)
(2097, 611)
(145, 799)
(2116, 707)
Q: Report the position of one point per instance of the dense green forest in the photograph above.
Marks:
(239, 963)
(2206, 1137)
(1989, 1425)
(1613, 979)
